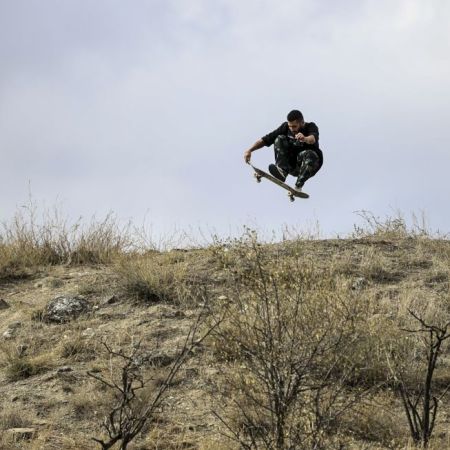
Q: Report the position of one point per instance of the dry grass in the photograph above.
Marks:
(173, 277)
(390, 228)
(11, 417)
(28, 242)
(170, 437)
(76, 347)
(375, 421)
(391, 262)
(153, 278)
(18, 365)
(56, 440)
(89, 403)
(372, 279)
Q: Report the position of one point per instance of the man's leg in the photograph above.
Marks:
(285, 158)
(283, 154)
(309, 164)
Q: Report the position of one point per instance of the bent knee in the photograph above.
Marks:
(281, 140)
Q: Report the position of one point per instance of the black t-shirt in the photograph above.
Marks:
(309, 129)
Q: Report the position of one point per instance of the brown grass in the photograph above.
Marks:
(379, 273)
(173, 277)
(18, 366)
(28, 242)
(11, 417)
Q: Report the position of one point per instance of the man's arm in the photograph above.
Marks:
(312, 134)
(256, 146)
(266, 141)
(311, 140)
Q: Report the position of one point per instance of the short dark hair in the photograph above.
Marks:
(294, 115)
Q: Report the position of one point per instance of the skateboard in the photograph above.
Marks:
(292, 193)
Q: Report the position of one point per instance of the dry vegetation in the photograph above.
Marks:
(311, 344)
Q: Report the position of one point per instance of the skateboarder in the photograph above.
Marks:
(297, 151)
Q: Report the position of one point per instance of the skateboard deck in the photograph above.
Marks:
(292, 193)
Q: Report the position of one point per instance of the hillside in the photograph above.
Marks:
(303, 343)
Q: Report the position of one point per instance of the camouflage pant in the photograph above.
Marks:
(299, 162)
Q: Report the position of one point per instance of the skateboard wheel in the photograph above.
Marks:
(258, 178)
(291, 197)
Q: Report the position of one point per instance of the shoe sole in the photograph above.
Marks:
(275, 172)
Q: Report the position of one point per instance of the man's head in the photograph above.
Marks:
(295, 121)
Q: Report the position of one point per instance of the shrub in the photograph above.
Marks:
(287, 329)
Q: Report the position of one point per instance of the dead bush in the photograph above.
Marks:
(288, 327)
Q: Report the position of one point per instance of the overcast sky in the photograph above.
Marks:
(145, 108)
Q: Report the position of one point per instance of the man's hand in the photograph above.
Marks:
(311, 140)
(248, 154)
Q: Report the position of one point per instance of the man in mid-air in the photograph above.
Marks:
(297, 151)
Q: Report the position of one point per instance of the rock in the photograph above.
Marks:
(110, 300)
(65, 308)
(55, 282)
(359, 283)
(166, 312)
(11, 331)
(64, 369)
(191, 373)
(3, 304)
(160, 359)
(172, 314)
(8, 334)
(375, 317)
(22, 349)
(48, 377)
(88, 332)
(105, 315)
(41, 422)
(19, 434)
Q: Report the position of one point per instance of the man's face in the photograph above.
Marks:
(295, 126)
